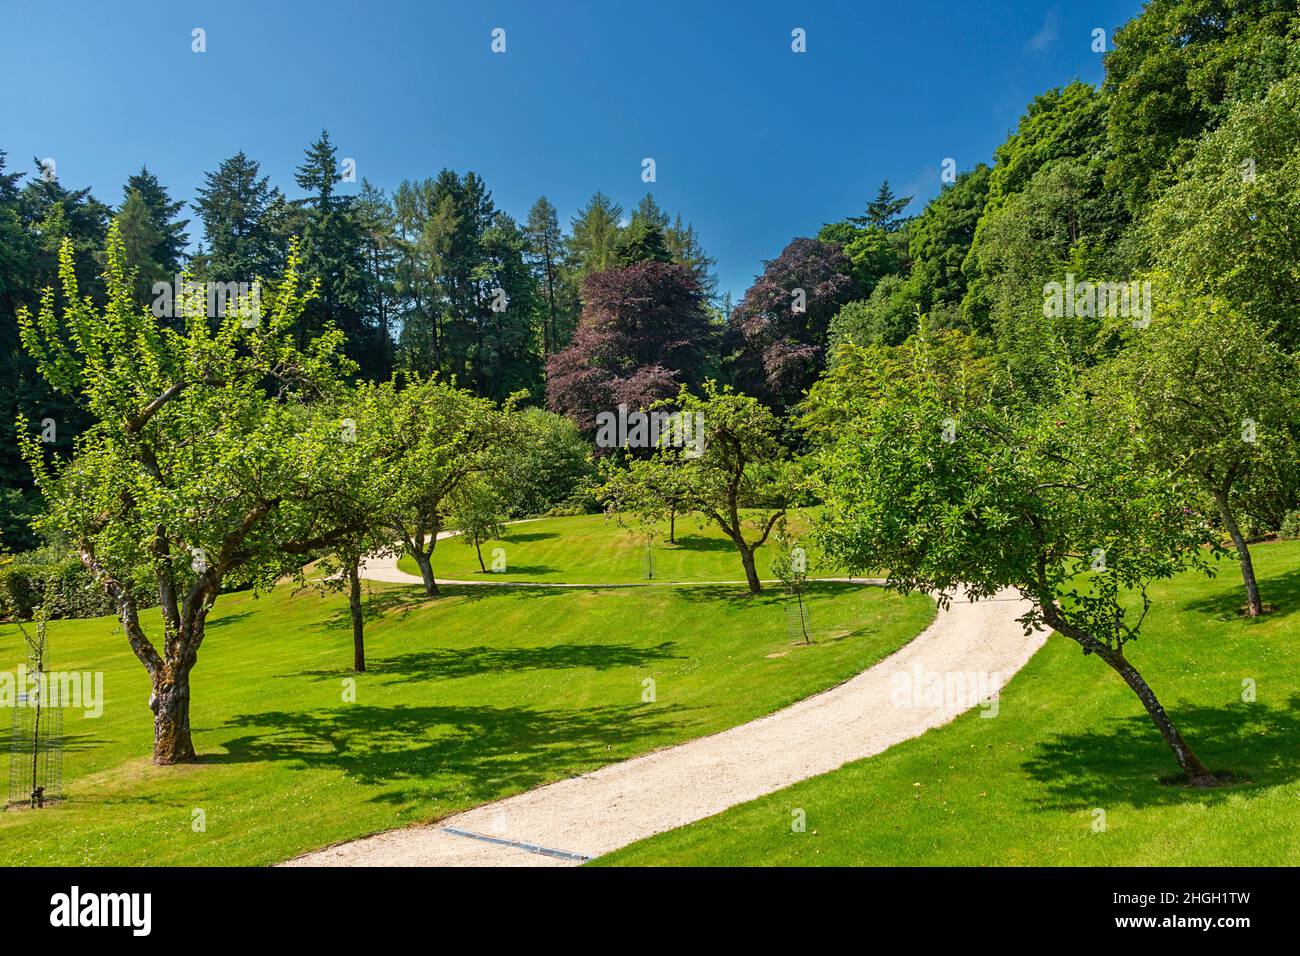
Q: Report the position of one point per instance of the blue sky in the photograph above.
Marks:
(753, 143)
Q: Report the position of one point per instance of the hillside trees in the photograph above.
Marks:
(1225, 226)
(1176, 70)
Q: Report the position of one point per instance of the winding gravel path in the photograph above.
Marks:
(566, 822)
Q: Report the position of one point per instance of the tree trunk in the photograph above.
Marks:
(358, 621)
(1254, 607)
(170, 703)
(803, 622)
(478, 548)
(1198, 775)
(426, 572)
(751, 574)
(672, 526)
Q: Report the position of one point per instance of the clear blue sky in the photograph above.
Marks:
(753, 143)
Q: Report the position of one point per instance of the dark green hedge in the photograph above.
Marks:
(72, 590)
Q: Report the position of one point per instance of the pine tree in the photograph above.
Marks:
(169, 252)
(545, 246)
(883, 211)
(140, 242)
(241, 213)
(593, 236)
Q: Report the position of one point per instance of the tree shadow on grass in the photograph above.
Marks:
(1127, 762)
(1281, 591)
(403, 601)
(465, 754)
(515, 569)
(731, 595)
(522, 537)
(471, 661)
(223, 620)
(700, 543)
(453, 662)
(773, 594)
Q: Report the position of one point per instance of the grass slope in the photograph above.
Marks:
(589, 548)
(1070, 740)
(481, 694)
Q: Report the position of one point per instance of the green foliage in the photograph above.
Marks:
(642, 494)
(593, 237)
(1289, 530)
(548, 469)
(58, 581)
(242, 214)
(888, 317)
(961, 369)
(939, 239)
(475, 514)
(1063, 222)
(203, 466)
(1226, 224)
(1063, 123)
(1056, 155)
(1177, 69)
(1012, 500)
(743, 466)
(1202, 394)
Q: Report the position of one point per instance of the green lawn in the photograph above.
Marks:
(590, 548)
(1070, 740)
(480, 694)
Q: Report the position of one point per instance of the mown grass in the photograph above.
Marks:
(592, 548)
(1070, 743)
(475, 696)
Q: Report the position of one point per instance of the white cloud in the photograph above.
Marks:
(1046, 36)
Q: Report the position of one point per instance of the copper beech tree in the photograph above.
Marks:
(207, 463)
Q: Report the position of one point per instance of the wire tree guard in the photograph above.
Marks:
(36, 733)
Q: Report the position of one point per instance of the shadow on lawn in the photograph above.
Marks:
(1282, 591)
(525, 536)
(1126, 762)
(451, 662)
(403, 600)
(224, 620)
(698, 542)
(471, 661)
(459, 755)
(772, 595)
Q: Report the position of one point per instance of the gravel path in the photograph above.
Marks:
(563, 823)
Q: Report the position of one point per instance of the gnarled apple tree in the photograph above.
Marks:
(202, 467)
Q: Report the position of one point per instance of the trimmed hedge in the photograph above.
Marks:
(72, 589)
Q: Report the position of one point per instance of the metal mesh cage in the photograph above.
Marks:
(798, 622)
(35, 753)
